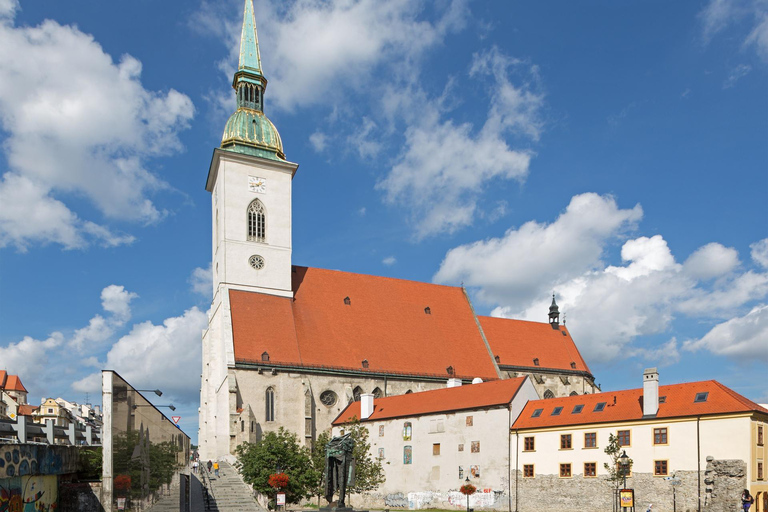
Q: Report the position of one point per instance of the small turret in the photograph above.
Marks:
(554, 314)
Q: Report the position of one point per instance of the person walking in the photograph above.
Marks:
(209, 465)
(216, 469)
(746, 500)
(195, 465)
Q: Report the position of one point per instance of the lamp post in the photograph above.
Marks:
(624, 462)
(155, 391)
(467, 483)
(170, 406)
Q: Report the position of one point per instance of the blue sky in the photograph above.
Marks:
(614, 153)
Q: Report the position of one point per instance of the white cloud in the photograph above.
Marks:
(718, 15)
(710, 261)
(78, 122)
(389, 261)
(8, 9)
(736, 74)
(529, 261)
(743, 338)
(318, 141)
(315, 46)
(608, 306)
(760, 252)
(117, 302)
(663, 355)
(201, 281)
(29, 356)
(30, 215)
(166, 356)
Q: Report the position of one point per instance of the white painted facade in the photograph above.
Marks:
(453, 434)
(722, 437)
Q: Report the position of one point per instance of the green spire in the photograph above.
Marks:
(248, 130)
(250, 59)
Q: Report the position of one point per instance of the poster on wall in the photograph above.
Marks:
(627, 498)
(120, 503)
(281, 498)
(474, 471)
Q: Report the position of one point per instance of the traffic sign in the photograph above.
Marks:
(176, 419)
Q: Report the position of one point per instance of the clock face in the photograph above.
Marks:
(256, 261)
(256, 184)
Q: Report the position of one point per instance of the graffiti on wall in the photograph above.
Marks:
(29, 494)
(28, 460)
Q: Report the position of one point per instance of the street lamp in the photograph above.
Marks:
(171, 407)
(467, 482)
(624, 462)
(155, 391)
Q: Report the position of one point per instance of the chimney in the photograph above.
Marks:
(454, 383)
(477, 380)
(366, 406)
(650, 392)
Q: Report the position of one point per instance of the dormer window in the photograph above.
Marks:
(449, 370)
(427, 311)
(535, 361)
(365, 363)
(347, 301)
(265, 356)
(573, 365)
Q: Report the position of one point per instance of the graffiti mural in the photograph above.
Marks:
(29, 494)
(27, 460)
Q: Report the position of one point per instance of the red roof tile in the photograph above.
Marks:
(27, 410)
(384, 324)
(627, 405)
(518, 342)
(468, 396)
(13, 383)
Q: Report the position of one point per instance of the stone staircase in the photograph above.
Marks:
(228, 493)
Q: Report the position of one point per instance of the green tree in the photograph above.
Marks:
(614, 469)
(278, 451)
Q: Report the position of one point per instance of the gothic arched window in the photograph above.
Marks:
(356, 393)
(257, 222)
(549, 394)
(270, 404)
(377, 393)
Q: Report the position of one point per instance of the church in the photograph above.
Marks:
(292, 346)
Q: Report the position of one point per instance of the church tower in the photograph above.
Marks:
(250, 183)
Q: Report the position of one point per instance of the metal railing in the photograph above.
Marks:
(23, 431)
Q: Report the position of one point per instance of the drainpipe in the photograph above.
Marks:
(509, 455)
(517, 454)
(698, 459)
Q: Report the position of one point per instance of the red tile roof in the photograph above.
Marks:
(469, 396)
(627, 405)
(27, 410)
(13, 383)
(518, 342)
(384, 324)
(3, 375)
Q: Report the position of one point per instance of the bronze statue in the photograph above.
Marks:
(339, 467)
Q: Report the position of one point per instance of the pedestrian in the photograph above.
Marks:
(210, 465)
(216, 469)
(746, 500)
(195, 466)
(650, 507)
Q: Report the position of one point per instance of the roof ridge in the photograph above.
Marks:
(741, 398)
(378, 277)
